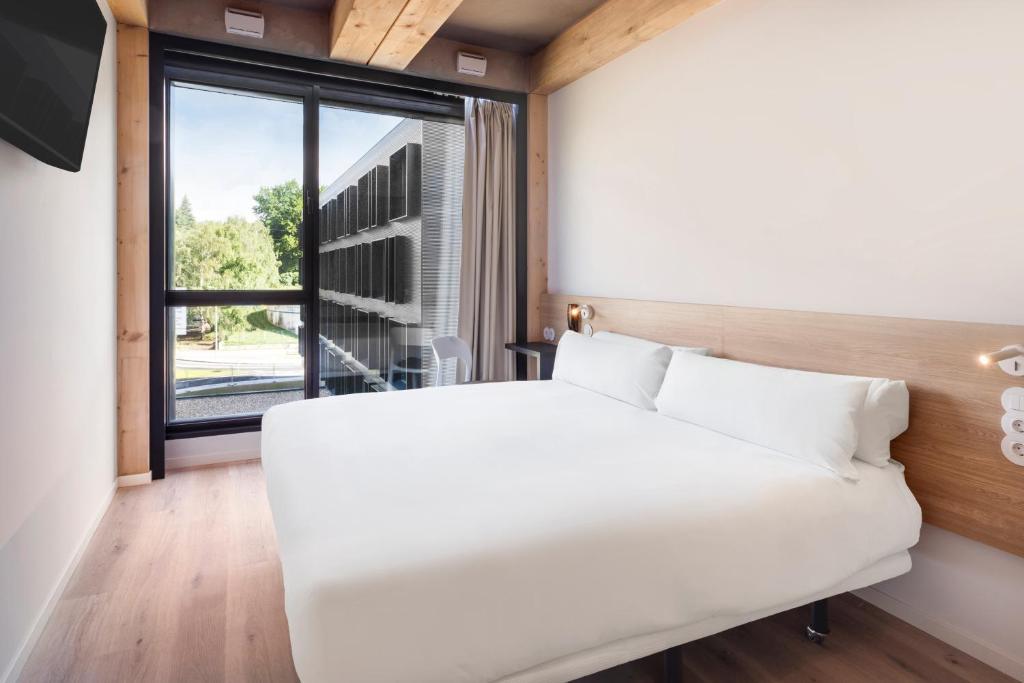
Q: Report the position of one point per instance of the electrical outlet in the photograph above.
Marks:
(1013, 422)
(1013, 449)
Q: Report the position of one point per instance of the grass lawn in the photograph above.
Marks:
(259, 332)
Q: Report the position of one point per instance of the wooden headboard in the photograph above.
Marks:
(952, 449)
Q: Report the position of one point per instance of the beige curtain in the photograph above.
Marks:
(487, 300)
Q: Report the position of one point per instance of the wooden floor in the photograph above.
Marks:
(182, 583)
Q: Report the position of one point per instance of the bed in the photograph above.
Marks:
(539, 531)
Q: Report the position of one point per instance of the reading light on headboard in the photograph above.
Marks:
(575, 313)
(572, 317)
(1009, 358)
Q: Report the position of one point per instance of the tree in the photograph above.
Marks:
(280, 209)
(184, 219)
(231, 254)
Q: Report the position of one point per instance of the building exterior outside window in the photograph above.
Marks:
(389, 260)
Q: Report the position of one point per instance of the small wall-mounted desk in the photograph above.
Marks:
(544, 352)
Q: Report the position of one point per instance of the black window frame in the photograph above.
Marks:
(185, 59)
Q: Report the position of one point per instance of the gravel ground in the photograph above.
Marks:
(236, 404)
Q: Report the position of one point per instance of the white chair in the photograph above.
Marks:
(452, 347)
(406, 351)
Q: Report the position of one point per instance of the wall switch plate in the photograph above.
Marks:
(549, 334)
(1013, 399)
(1013, 366)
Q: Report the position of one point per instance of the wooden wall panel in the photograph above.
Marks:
(132, 250)
(952, 448)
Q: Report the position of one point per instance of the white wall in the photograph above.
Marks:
(967, 593)
(57, 343)
(845, 156)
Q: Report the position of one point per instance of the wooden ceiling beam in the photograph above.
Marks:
(611, 30)
(417, 23)
(358, 27)
(130, 12)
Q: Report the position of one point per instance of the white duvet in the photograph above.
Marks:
(472, 532)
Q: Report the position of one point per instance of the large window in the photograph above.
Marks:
(307, 232)
(234, 235)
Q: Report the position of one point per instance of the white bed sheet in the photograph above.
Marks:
(485, 531)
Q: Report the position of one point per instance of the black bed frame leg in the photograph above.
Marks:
(818, 628)
(673, 660)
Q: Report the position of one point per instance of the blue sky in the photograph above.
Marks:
(225, 146)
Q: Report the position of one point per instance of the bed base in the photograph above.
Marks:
(672, 658)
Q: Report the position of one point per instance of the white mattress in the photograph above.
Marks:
(515, 530)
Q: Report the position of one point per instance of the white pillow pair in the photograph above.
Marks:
(821, 418)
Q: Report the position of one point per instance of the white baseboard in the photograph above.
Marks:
(14, 670)
(134, 479)
(985, 652)
(180, 462)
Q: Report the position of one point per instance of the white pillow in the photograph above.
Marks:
(886, 416)
(615, 370)
(641, 342)
(807, 415)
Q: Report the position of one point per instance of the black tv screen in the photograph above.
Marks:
(49, 58)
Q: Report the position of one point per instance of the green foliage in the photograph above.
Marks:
(280, 209)
(184, 219)
(230, 254)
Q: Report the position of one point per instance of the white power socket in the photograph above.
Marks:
(1013, 423)
(1013, 449)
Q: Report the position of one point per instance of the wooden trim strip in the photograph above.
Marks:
(358, 27)
(130, 12)
(417, 23)
(132, 250)
(611, 30)
(537, 211)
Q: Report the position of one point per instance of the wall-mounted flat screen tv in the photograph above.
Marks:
(49, 58)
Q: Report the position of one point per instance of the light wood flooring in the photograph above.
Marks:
(182, 583)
